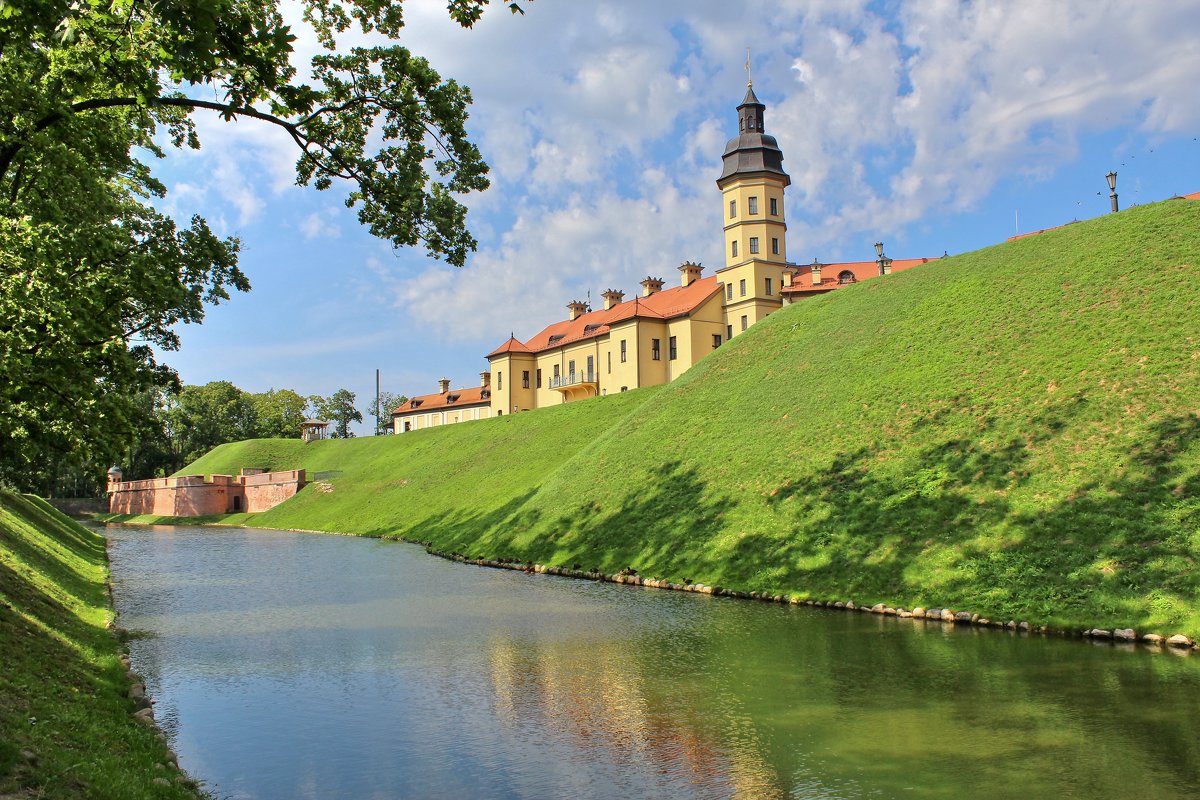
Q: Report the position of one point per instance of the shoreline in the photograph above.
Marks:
(78, 720)
(1178, 643)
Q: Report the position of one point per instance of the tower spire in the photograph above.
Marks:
(752, 150)
(749, 77)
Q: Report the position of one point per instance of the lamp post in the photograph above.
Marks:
(1112, 189)
(885, 263)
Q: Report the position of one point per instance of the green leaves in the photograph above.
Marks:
(93, 278)
(339, 409)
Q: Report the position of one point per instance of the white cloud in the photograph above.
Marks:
(553, 256)
(882, 122)
(318, 226)
(604, 125)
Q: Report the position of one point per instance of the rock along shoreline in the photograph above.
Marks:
(1177, 643)
(142, 701)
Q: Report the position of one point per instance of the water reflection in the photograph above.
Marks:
(289, 665)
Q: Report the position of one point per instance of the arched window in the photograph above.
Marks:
(846, 276)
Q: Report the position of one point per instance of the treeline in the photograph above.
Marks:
(178, 426)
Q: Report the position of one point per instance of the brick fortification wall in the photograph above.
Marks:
(192, 496)
(266, 490)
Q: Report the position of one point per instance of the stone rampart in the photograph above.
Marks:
(193, 496)
(268, 489)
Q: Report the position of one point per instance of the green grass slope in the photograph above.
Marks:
(1015, 431)
(447, 479)
(65, 726)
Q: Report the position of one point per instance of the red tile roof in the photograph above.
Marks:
(432, 402)
(1192, 196)
(862, 270)
(666, 304)
(511, 346)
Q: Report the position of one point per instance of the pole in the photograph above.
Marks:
(377, 418)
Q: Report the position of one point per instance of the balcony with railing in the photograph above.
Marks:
(575, 385)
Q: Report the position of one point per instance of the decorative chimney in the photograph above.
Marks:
(816, 272)
(651, 285)
(689, 273)
(485, 379)
(789, 277)
(612, 297)
(577, 308)
(445, 384)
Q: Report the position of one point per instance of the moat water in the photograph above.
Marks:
(300, 666)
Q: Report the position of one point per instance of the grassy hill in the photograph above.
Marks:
(1015, 431)
(65, 726)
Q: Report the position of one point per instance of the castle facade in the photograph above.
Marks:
(660, 333)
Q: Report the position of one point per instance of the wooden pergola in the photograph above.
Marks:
(312, 430)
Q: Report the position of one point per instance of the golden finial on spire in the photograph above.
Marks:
(749, 79)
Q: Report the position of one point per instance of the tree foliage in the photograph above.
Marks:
(278, 413)
(388, 402)
(339, 409)
(93, 276)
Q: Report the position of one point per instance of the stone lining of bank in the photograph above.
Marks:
(144, 704)
(1178, 643)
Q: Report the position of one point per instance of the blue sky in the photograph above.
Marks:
(933, 126)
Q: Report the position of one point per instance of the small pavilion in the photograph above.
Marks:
(312, 430)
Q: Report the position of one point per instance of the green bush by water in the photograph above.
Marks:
(1014, 431)
(62, 687)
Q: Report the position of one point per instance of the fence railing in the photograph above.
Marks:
(571, 379)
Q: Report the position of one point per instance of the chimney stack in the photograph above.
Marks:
(612, 297)
(577, 308)
(445, 384)
(651, 285)
(689, 273)
(816, 272)
(485, 379)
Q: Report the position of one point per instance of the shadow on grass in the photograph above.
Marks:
(72, 539)
(1094, 556)
(665, 524)
(948, 533)
(62, 690)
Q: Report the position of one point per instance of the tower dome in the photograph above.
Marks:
(752, 151)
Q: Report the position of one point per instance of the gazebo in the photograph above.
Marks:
(313, 429)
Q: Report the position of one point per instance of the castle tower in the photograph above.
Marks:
(752, 186)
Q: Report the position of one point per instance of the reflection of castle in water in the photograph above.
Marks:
(597, 698)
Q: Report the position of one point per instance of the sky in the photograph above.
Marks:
(938, 126)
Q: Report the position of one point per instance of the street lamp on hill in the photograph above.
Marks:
(1112, 189)
(885, 263)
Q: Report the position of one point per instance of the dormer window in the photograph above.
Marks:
(592, 327)
(846, 276)
(450, 398)
(557, 337)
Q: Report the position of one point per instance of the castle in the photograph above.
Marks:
(656, 336)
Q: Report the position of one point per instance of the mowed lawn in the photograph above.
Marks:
(1014, 431)
(65, 725)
